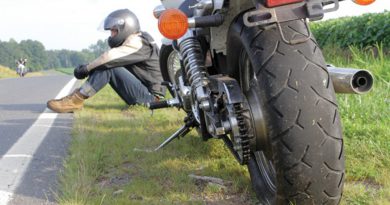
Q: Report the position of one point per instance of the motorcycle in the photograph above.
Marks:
(249, 72)
(20, 70)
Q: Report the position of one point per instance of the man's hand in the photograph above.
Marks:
(80, 72)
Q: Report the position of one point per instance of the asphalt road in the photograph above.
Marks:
(33, 140)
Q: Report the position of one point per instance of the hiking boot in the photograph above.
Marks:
(70, 103)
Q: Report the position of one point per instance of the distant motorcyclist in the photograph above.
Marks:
(21, 64)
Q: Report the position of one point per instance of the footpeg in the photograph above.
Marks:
(164, 104)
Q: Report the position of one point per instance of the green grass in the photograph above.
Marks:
(68, 71)
(109, 162)
(108, 154)
(363, 30)
(6, 72)
(366, 125)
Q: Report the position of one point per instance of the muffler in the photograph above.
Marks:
(350, 80)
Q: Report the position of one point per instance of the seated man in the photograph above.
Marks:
(131, 66)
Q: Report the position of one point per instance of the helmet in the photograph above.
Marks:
(123, 20)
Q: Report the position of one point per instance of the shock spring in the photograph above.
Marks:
(193, 61)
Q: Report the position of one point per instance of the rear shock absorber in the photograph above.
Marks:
(195, 70)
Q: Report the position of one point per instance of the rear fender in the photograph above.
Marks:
(219, 34)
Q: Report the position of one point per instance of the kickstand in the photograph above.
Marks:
(185, 129)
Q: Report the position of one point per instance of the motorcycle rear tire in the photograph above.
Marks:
(303, 159)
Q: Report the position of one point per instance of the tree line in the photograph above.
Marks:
(38, 58)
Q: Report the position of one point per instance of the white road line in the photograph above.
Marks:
(17, 156)
(4, 197)
(15, 162)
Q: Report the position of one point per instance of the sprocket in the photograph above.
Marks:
(241, 139)
(230, 117)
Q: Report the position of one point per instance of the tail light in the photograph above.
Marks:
(363, 2)
(173, 23)
(273, 3)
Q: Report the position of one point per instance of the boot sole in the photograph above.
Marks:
(63, 110)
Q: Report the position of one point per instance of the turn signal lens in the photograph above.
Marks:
(273, 3)
(173, 24)
(363, 2)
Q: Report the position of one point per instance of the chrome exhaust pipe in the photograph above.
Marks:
(349, 80)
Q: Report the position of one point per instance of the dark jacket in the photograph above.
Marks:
(139, 55)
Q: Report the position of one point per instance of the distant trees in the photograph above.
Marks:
(99, 47)
(41, 59)
(35, 53)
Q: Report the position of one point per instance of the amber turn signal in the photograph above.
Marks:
(173, 24)
(363, 2)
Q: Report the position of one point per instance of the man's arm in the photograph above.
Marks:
(131, 51)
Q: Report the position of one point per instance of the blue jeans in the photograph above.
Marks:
(128, 87)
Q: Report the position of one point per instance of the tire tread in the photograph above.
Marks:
(304, 119)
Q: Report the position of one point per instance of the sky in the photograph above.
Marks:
(73, 24)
